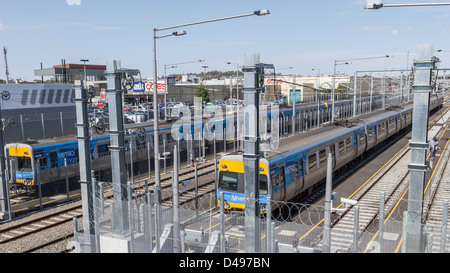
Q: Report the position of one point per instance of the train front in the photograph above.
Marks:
(231, 182)
(22, 157)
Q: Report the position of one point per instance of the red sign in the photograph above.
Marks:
(149, 86)
(274, 81)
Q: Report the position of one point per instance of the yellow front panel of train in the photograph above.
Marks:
(20, 152)
(238, 167)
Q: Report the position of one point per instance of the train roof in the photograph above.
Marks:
(317, 137)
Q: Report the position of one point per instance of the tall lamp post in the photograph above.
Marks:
(341, 62)
(237, 82)
(155, 94)
(165, 82)
(424, 65)
(84, 63)
(381, 5)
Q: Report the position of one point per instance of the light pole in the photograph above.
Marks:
(318, 97)
(341, 62)
(237, 81)
(333, 88)
(84, 61)
(155, 94)
(419, 144)
(165, 82)
(381, 5)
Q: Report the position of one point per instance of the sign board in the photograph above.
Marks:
(171, 81)
(138, 86)
(149, 87)
(272, 81)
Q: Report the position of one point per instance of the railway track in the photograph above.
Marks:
(22, 230)
(368, 197)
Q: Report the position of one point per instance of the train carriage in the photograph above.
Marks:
(300, 163)
(50, 157)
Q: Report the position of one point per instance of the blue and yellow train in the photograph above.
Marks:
(300, 163)
(45, 162)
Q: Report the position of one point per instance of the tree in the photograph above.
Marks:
(200, 91)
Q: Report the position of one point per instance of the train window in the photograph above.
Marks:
(348, 143)
(275, 181)
(43, 162)
(297, 174)
(322, 156)
(169, 138)
(341, 148)
(370, 133)
(300, 168)
(312, 161)
(262, 184)
(361, 137)
(24, 164)
(282, 176)
(228, 181)
(53, 159)
(103, 150)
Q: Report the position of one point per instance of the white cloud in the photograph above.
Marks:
(2, 26)
(394, 32)
(73, 2)
(372, 28)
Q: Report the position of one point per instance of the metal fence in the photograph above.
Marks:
(212, 229)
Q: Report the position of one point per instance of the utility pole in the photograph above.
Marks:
(117, 148)
(6, 64)
(253, 74)
(85, 164)
(419, 144)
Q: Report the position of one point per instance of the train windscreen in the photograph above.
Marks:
(234, 182)
(24, 164)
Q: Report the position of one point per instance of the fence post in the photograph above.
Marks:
(355, 229)
(67, 179)
(222, 223)
(176, 205)
(444, 226)
(150, 221)
(130, 217)
(268, 225)
(381, 222)
(157, 217)
(327, 217)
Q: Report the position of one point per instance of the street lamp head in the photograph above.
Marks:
(179, 33)
(373, 6)
(262, 12)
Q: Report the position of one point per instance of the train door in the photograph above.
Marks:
(299, 175)
(282, 179)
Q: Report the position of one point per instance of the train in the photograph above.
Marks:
(299, 165)
(53, 161)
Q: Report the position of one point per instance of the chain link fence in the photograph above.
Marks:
(208, 228)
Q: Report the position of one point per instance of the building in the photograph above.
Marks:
(69, 73)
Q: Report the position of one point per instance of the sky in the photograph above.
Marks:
(299, 37)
